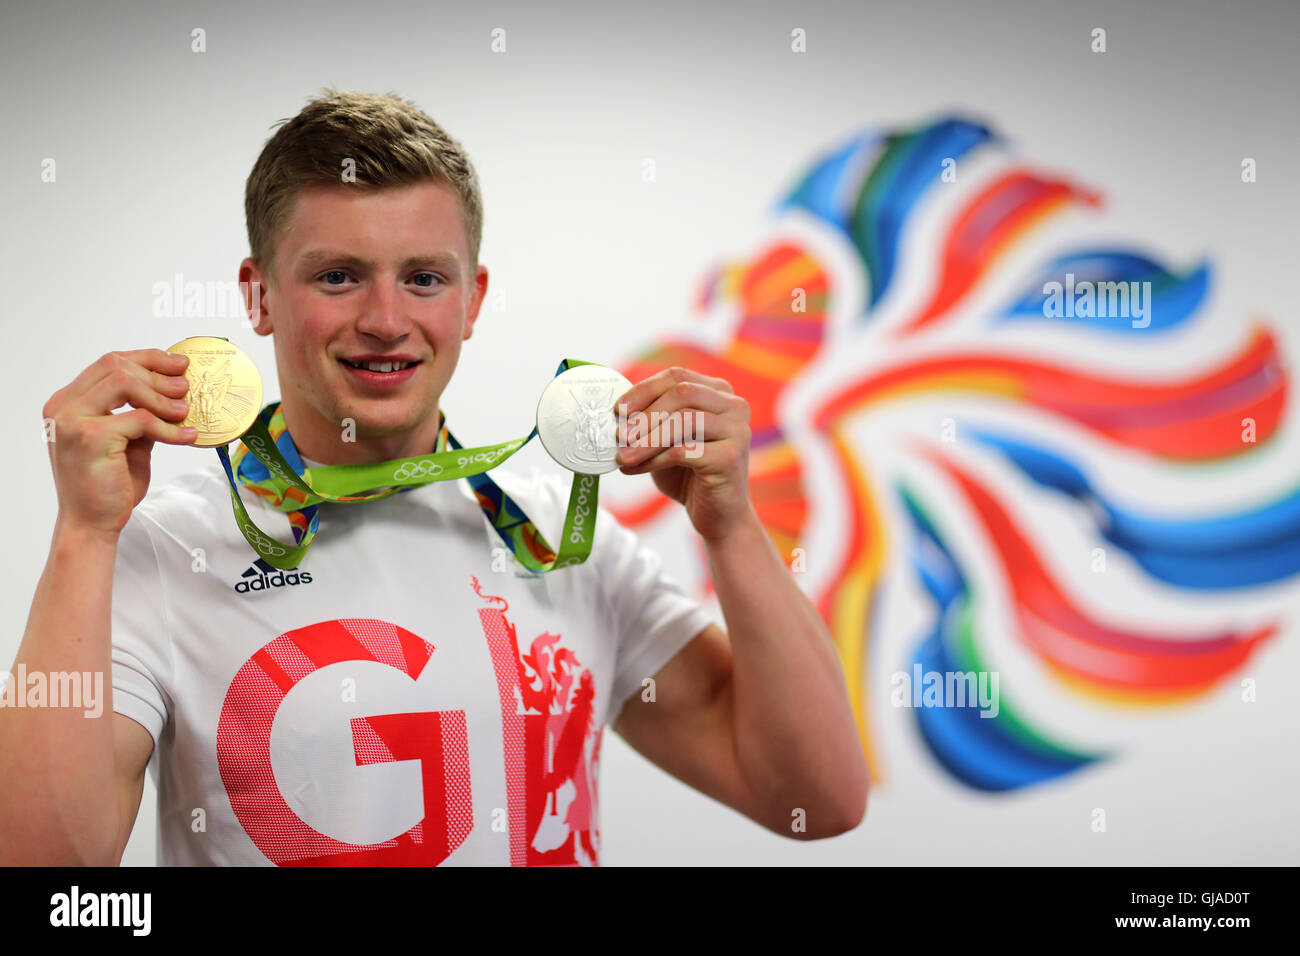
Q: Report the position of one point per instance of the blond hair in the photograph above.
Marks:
(391, 141)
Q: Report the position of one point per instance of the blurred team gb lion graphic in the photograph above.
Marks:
(931, 269)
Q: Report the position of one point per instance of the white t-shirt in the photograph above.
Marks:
(410, 695)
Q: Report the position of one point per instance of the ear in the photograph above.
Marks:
(476, 299)
(254, 287)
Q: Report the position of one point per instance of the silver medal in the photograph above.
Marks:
(576, 418)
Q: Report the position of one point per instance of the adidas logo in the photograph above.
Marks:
(262, 577)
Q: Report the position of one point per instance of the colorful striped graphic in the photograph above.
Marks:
(867, 193)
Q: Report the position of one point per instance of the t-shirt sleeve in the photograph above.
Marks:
(654, 617)
(141, 643)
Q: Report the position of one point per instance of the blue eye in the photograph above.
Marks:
(430, 275)
(333, 272)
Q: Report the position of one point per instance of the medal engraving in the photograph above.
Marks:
(575, 418)
(225, 389)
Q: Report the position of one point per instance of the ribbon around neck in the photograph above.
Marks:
(298, 491)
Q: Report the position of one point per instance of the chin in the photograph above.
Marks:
(394, 418)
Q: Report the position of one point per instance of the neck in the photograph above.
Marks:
(329, 444)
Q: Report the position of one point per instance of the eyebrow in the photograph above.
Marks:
(318, 258)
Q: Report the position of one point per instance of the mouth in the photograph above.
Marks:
(379, 373)
(382, 366)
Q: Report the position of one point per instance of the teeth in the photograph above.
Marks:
(381, 366)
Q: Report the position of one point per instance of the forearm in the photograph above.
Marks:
(795, 735)
(59, 801)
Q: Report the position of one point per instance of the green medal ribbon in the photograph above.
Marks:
(299, 494)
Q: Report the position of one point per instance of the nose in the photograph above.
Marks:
(383, 312)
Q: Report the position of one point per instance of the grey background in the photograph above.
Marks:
(153, 144)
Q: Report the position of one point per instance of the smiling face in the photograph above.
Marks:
(372, 298)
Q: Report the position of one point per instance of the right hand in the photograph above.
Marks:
(101, 460)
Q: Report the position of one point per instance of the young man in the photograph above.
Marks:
(397, 699)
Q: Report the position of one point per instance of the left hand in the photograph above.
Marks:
(693, 436)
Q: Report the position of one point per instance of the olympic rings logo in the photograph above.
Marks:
(417, 469)
(260, 541)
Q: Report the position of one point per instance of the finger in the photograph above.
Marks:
(714, 457)
(647, 390)
(134, 384)
(664, 431)
(684, 400)
(705, 429)
(141, 423)
(164, 370)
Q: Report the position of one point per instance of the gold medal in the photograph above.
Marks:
(225, 389)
